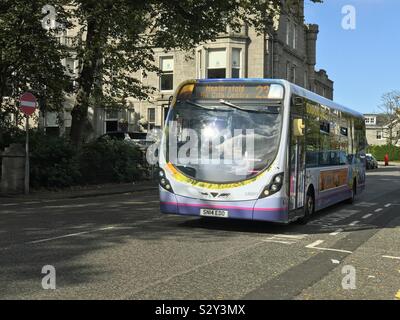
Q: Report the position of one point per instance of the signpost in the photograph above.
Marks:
(27, 105)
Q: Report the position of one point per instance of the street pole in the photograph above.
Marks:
(27, 155)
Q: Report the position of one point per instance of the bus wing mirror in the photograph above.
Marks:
(298, 127)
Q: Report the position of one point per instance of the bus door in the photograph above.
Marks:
(297, 153)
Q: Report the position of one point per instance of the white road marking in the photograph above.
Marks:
(285, 238)
(367, 216)
(378, 210)
(391, 257)
(278, 241)
(69, 235)
(335, 261)
(354, 223)
(388, 205)
(318, 242)
(365, 204)
(329, 221)
(291, 236)
(335, 233)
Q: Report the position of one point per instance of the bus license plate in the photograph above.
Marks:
(214, 213)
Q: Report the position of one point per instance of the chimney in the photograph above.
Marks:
(301, 8)
(311, 42)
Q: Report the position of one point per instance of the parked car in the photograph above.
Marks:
(371, 162)
(138, 138)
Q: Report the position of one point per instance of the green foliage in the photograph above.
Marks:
(56, 163)
(110, 160)
(53, 162)
(30, 58)
(379, 152)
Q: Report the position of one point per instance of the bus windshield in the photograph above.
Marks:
(235, 139)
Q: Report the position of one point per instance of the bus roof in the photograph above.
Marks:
(294, 89)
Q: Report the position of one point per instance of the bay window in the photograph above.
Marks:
(216, 64)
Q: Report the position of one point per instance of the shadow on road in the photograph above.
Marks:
(142, 226)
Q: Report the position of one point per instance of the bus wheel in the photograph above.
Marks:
(309, 207)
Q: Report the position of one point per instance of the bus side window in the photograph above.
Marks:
(312, 159)
(334, 158)
(343, 158)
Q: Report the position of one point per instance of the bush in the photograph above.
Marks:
(56, 163)
(379, 152)
(110, 160)
(53, 162)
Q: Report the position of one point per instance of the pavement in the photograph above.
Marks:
(121, 247)
(85, 191)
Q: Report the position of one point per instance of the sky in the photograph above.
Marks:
(364, 63)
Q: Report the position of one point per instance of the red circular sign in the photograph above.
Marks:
(27, 103)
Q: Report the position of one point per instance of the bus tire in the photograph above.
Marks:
(352, 199)
(309, 207)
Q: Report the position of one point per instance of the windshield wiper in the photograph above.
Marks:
(200, 105)
(204, 107)
(230, 104)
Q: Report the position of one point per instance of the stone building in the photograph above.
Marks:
(289, 52)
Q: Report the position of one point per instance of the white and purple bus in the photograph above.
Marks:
(258, 149)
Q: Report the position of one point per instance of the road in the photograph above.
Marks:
(121, 247)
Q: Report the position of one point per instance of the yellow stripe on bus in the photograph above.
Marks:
(206, 185)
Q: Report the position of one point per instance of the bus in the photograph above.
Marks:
(269, 150)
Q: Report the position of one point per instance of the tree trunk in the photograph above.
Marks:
(79, 116)
(92, 54)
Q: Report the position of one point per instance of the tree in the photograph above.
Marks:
(116, 38)
(30, 58)
(390, 108)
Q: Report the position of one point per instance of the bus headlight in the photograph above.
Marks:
(164, 183)
(278, 179)
(274, 186)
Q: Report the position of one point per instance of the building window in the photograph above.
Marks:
(293, 74)
(216, 63)
(151, 118)
(70, 66)
(52, 127)
(111, 121)
(288, 71)
(167, 75)
(288, 32)
(236, 62)
(379, 135)
(294, 36)
(370, 120)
